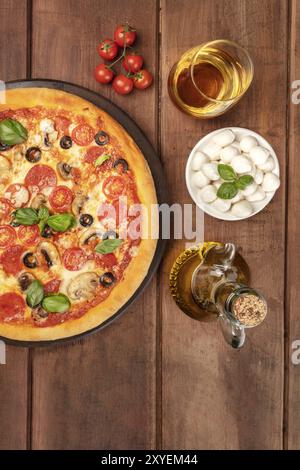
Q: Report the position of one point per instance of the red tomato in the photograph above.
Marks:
(74, 259)
(142, 79)
(83, 134)
(103, 74)
(61, 198)
(106, 261)
(93, 153)
(7, 235)
(113, 187)
(11, 259)
(124, 35)
(52, 286)
(40, 177)
(122, 85)
(62, 124)
(29, 235)
(5, 208)
(12, 307)
(107, 49)
(17, 194)
(132, 63)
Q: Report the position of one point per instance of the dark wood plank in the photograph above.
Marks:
(13, 375)
(100, 392)
(292, 436)
(215, 397)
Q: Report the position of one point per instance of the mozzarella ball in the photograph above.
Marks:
(212, 150)
(198, 160)
(242, 209)
(211, 171)
(258, 195)
(236, 145)
(258, 176)
(208, 193)
(237, 198)
(269, 165)
(224, 138)
(200, 180)
(247, 143)
(271, 182)
(249, 189)
(217, 183)
(259, 155)
(227, 153)
(241, 164)
(221, 205)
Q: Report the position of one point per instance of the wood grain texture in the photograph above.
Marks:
(292, 436)
(215, 397)
(100, 392)
(13, 375)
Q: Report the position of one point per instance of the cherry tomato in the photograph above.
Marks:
(83, 134)
(106, 261)
(103, 74)
(40, 177)
(17, 194)
(61, 198)
(7, 236)
(11, 259)
(124, 35)
(108, 49)
(142, 79)
(52, 286)
(113, 187)
(62, 124)
(5, 208)
(93, 153)
(132, 63)
(74, 259)
(29, 234)
(122, 85)
(12, 307)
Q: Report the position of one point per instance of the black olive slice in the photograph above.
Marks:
(30, 260)
(101, 138)
(47, 232)
(86, 220)
(66, 142)
(121, 163)
(24, 280)
(109, 235)
(33, 154)
(107, 279)
(4, 147)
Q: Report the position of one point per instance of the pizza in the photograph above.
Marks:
(76, 197)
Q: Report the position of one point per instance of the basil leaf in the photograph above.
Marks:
(12, 132)
(61, 222)
(56, 303)
(227, 191)
(35, 294)
(226, 172)
(43, 213)
(102, 159)
(108, 246)
(26, 216)
(244, 181)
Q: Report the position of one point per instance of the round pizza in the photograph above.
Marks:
(76, 197)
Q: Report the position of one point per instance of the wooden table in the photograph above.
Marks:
(155, 378)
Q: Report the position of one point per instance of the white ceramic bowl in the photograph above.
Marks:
(207, 208)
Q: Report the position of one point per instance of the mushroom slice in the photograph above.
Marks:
(78, 203)
(5, 164)
(39, 314)
(64, 170)
(49, 253)
(38, 201)
(90, 234)
(83, 286)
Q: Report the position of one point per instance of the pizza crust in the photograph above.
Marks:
(139, 265)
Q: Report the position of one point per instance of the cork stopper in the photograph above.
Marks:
(249, 309)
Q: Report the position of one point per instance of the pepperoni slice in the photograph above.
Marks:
(40, 177)
(5, 208)
(17, 194)
(29, 235)
(52, 286)
(106, 261)
(83, 134)
(7, 236)
(61, 124)
(12, 307)
(74, 259)
(93, 153)
(61, 198)
(113, 187)
(11, 259)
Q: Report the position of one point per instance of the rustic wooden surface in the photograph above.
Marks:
(155, 378)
